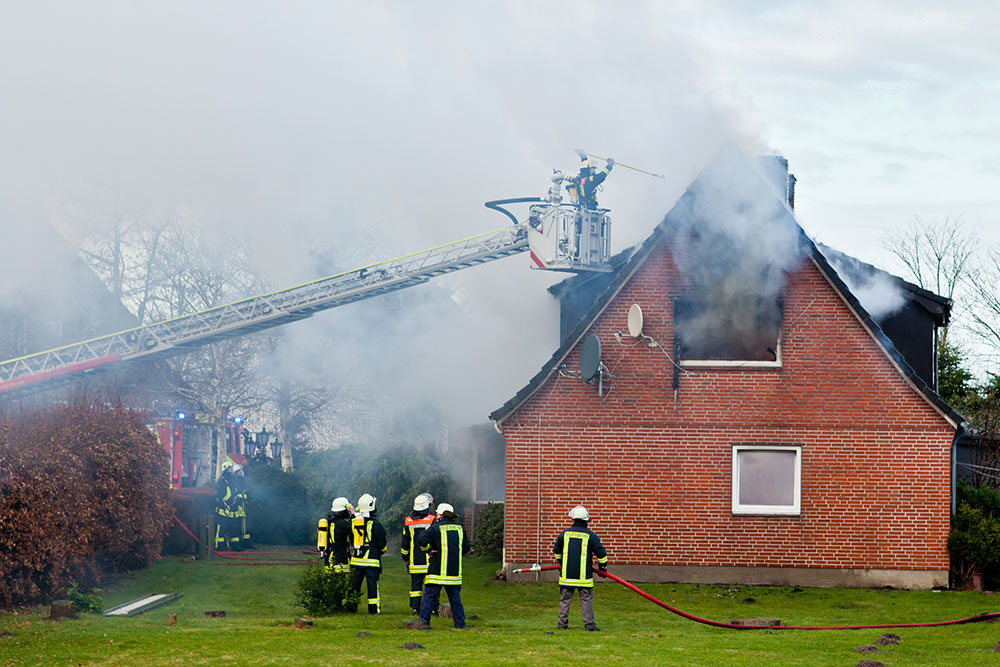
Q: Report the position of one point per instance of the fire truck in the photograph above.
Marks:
(190, 440)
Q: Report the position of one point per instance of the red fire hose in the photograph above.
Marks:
(249, 559)
(731, 626)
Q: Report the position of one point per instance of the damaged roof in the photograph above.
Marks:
(628, 262)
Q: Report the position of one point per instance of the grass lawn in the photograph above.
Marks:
(513, 624)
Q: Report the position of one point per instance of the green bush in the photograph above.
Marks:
(974, 538)
(323, 593)
(90, 603)
(488, 540)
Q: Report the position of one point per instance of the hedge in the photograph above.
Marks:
(83, 494)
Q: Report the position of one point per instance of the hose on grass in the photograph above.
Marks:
(239, 558)
(732, 626)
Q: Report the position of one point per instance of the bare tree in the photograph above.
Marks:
(939, 256)
(986, 292)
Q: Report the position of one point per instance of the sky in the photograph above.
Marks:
(364, 131)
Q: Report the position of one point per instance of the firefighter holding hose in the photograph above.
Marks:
(574, 550)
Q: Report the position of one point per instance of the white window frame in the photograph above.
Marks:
(794, 509)
(735, 363)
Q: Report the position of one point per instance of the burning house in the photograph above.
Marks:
(732, 407)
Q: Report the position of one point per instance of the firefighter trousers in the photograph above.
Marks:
(369, 575)
(416, 590)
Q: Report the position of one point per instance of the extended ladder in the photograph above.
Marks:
(44, 370)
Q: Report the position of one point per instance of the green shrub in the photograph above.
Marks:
(90, 603)
(488, 539)
(322, 593)
(974, 538)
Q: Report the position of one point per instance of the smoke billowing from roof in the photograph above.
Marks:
(735, 240)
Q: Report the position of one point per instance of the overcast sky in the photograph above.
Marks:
(379, 128)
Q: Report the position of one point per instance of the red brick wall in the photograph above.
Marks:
(657, 477)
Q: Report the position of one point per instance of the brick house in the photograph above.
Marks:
(762, 427)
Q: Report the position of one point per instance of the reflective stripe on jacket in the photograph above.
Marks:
(414, 525)
(447, 543)
(368, 542)
(574, 549)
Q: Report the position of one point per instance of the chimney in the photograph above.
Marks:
(775, 170)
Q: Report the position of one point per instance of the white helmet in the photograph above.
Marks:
(366, 503)
(445, 507)
(339, 504)
(227, 464)
(237, 467)
(579, 512)
(421, 502)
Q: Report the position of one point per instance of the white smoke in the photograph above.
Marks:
(326, 136)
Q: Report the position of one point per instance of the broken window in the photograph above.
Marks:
(736, 329)
(767, 479)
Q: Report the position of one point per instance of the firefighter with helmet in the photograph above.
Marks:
(419, 520)
(574, 550)
(368, 543)
(583, 189)
(447, 543)
(240, 481)
(333, 537)
(227, 526)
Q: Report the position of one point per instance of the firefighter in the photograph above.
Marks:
(334, 536)
(588, 181)
(368, 543)
(574, 549)
(240, 481)
(420, 519)
(226, 530)
(447, 543)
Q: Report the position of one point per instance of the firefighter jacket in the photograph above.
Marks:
(413, 526)
(225, 496)
(240, 489)
(368, 542)
(589, 183)
(447, 543)
(339, 542)
(573, 550)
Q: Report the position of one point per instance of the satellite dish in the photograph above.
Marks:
(634, 321)
(590, 357)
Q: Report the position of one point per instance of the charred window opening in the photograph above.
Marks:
(733, 330)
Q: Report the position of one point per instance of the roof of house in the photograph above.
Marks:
(627, 263)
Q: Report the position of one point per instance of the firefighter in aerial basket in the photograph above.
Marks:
(368, 543)
(574, 549)
(227, 526)
(420, 519)
(589, 180)
(333, 537)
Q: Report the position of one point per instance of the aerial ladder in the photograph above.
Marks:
(560, 236)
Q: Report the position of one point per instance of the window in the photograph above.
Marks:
(767, 479)
(743, 331)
